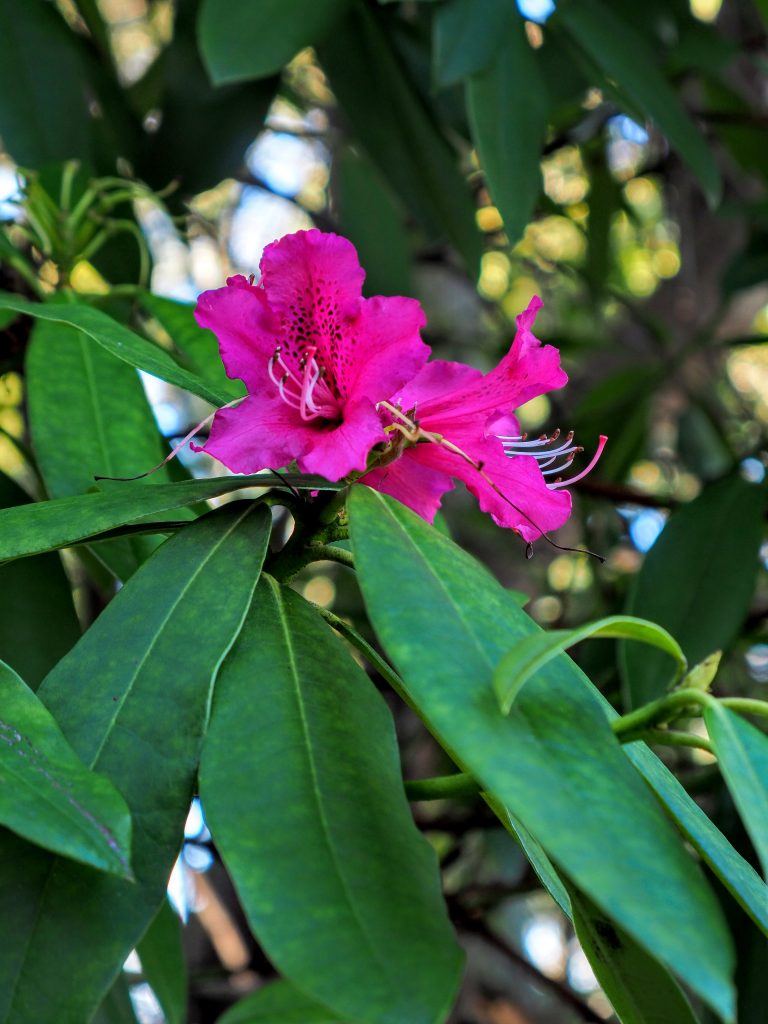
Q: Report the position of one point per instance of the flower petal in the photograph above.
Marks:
(383, 348)
(260, 433)
(417, 486)
(313, 282)
(247, 332)
(528, 369)
(265, 433)
(511, 490)
(334, 452)
(437, 378)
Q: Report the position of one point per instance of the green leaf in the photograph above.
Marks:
(742, 753)
(88, 413)
(640, 990)
(529, 654)
(56, 524)
(467, 34)
(399, 132)
(553, 762)
(739, 877)
(279, 1002)
(316, 817)
(121, 342)
(370, 218)
(133, 699)
(43, 88)
(696, 581)
(240, 39)
(508, 109)
(228, 117)
(627, 58)
(198, 349)
(47, 794)
(89, 416)
(537, 857)
(38, 624)
(162, 963)
(117, 1007)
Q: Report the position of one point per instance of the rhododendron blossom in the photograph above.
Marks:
(463, 427)
(341, 385)
(315, 356)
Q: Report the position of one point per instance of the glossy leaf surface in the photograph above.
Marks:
(742, 753)
(551, 761)
(133, 699)
(121, 342)
(739, 877)
(197, 348)
(528, 655)
(47, 794)
(116, 1008)
(89, 416)
(65, 521)
(316, 817)
(696, 581)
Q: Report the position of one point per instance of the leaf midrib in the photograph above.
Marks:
(322, 817)
(118, 705)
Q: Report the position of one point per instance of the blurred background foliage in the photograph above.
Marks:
(609, 156)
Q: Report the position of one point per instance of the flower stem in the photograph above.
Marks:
(442, 787)
(668, 738)
(663, 710)
(329, 553)
(747, 705)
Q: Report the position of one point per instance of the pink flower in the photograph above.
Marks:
(451, 421)
(338, 383)
(315, 357)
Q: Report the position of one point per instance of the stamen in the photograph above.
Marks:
(309, 394)
(286, 396)
(583, 473)
(562, 466)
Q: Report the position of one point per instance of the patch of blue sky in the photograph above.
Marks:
(536, 10)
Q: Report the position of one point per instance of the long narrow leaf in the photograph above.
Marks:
(626, 57)
(528, 655)
(508, 109)
(47, 794)
(316, 817)
(133, 699)
(446, 623)
(48, 525)
(121, 342)
(640, 989)
(742, 752)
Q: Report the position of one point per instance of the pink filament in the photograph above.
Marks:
(583, 473)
